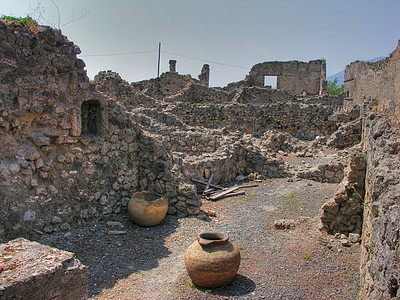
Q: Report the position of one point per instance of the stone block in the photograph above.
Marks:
(34, 271)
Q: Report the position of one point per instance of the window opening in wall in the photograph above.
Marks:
(91, 117)
(271, 81)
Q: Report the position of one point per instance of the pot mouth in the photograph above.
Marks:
(212, 238)
(146, 196)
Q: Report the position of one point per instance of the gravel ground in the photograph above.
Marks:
(147, 263)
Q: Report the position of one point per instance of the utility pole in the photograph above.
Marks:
(159, 56)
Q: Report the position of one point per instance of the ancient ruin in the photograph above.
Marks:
(73, 150)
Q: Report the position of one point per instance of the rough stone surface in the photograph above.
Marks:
(375, 87)
(377, 80)
(380, 260)
(347, 135)
(293, 76)
(332, 173)
(34, 271)
(73, 150)
(67, 152)
(343, 213)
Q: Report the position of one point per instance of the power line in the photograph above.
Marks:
(167, 52)
(119, 54)
(206, 60)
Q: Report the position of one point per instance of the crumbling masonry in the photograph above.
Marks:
(72, 150)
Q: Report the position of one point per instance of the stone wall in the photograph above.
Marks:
(38, 272)
(377, 80)
(168, 84)
(231, 161)
(198, 93)
(294, 77)
(260, 96)
(343, 213)
(301, 120)
(347, 135)
(332, 173)
(380, 259)
(375, 86)
(68, 153)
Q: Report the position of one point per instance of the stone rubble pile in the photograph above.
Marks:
(332, 172)
(347, 135)
(344, 212)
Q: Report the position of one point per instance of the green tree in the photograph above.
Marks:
(333, 87)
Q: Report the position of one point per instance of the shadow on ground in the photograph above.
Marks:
(110, 258)
(240, 286)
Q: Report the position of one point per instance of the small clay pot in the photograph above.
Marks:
(212, 261)
(147, 208)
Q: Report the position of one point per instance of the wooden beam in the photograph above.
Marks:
(209, 191)
(234, 194)
(209, 182)
(248, 186)
(223, 193)
(205, 183)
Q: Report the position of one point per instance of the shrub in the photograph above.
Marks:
(333, 87)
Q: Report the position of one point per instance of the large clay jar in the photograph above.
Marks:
(147, 208)
(212, 261)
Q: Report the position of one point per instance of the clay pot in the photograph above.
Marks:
(212, 261)
(147, 208)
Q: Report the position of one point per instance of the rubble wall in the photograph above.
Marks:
(343, 213)
(380, 259)
(68, 153)
(294, 77)
(197, 93)
(301, 120)
(377, 80)
(167, 84)
(376, 85)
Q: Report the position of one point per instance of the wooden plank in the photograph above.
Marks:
(205, 183)
(217, 192)
(117, 232)
(237, 193)
(223, 193)
(248, 186)
(234, 194)
(209, 191)
(209, 182)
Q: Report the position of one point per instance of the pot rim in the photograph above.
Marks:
(212, 238)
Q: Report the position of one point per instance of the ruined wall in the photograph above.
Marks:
(380, 259)
(377, 80)
(347, 135)
(68, 154)
(167, 84)
(294, 77)
(301, 120)
(260, 96)
(343, 213)
(197, 93)
(375, 86)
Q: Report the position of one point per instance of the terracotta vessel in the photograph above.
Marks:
(147, 208)
(212, 261)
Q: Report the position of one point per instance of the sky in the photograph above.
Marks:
(229, 35)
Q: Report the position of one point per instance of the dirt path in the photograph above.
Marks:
(147, 263)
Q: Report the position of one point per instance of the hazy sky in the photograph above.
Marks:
(230, 35)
